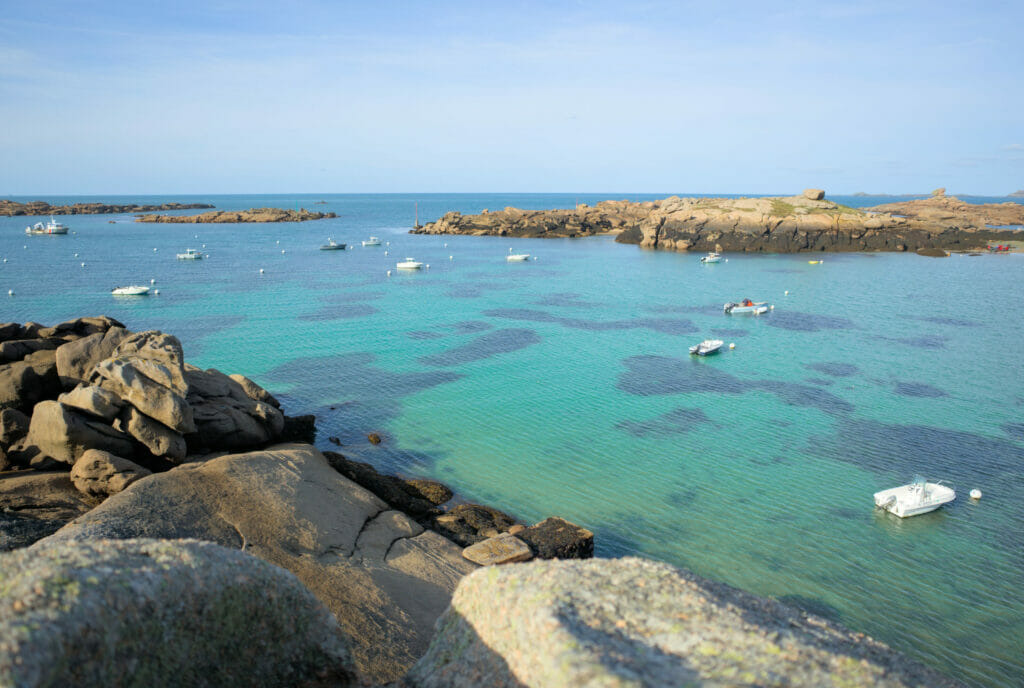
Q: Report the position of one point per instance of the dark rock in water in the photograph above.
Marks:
(374, 438)
(392, 490)
(468, 524)
(34, 504)
(299, 429)
(932, 253)
(555, 538)
(430, 490)
(335, 440)
(185, 612)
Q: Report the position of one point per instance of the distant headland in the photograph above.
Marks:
(775, 224)
(11, 208)
(251, 215)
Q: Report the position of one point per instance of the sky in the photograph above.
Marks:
(197, 97)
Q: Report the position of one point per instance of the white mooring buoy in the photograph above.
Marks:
(975, 493)
(732, 345)
(10, 292)
(156, 291)
(152, 281)
(389, 273)
(787, 292)
(261, 271)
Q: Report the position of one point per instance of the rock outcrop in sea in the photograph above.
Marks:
(790, 224)
(951, 210)
(158, 526)
(10, 208)
(251, 215)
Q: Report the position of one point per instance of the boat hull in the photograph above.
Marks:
(756, 309)
(913, 499)
(518, 257)
(130, 291)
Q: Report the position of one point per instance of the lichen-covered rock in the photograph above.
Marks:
(500, 549)
(63, 435)
(123, 377)
(159, 439)
(384, 577)
(556, 538)
(634, 622)
(254, 391)
(34, 505)
(100, 474)
(76, 359)
(152, 612)
(94, 401)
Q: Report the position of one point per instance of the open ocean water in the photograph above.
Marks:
(563, 386)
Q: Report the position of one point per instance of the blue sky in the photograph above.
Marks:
(674, 97)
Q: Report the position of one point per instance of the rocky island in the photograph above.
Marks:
(11, 208)
(950, 210)
(157, 520)
(251, 215)
(787, 224)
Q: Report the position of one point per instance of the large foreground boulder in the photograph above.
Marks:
(634, 622)
(151, 612)
(384, 577)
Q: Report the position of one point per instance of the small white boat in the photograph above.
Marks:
(711, 257)
(517, 257)
(707, 347)
(51, 227)
(372, 241)
(332, 245)
(191, 254)
(919, 497)
(746, 306)
(131, 290)
(409, 264)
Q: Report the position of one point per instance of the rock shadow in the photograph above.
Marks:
(564, 300)
(918, 389)
(658, 375)
(678, 421)
(339, 311)
(925, 341)
(808, 322)
(833, 369)
(484, 346)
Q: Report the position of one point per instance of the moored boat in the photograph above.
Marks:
(707, 347)
(409, 264)
(332, 245)
(130, 290)
(191, 254)
(746, 306)
(918, 497)
(372, 241)
(711, 257)
(51, 227)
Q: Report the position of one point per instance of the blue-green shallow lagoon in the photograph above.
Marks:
(563, 386)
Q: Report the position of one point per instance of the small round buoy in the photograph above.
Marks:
(771, 307)
(83, 265)
(5, 260)
(446, 245)
(975, 493)
(156, 291)
(451, 257)
(26, 246)
(428, 266)
(278, 241)
(10, 292)
(726, 260)
(787, 292)
(204, 245)
(732, 345)
(535, 257)
(152, 281)
(385, 253)
(387, 243)
(76, 255)
(154, 251)
(389, 273)
(261, 271)
(282, 251)
(195, 236)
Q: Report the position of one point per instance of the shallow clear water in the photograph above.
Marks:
(563, 386)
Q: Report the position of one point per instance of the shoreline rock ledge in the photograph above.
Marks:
(234, 216)
(774, 224)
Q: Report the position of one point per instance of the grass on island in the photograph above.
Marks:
(782, 209)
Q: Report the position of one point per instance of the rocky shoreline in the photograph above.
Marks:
(251, 215)
(790, 224)
(175, 521)
(11, 208)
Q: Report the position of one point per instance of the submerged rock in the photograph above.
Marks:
(634, 622)
(153, 612)
(556, 538)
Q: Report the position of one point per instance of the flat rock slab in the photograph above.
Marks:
(161, 612)
(384, 578)
(634, 622)
(503, 549)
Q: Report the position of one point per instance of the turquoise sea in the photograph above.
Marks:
(562, 386)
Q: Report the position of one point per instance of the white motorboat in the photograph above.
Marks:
(517, 257)
(332, 245)
(51, 227)
(191, 254)
(711, 257)
(372, 241)
(746, 306)
(130, 290)
(707, 347)
(409, 264)
(919, 497)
